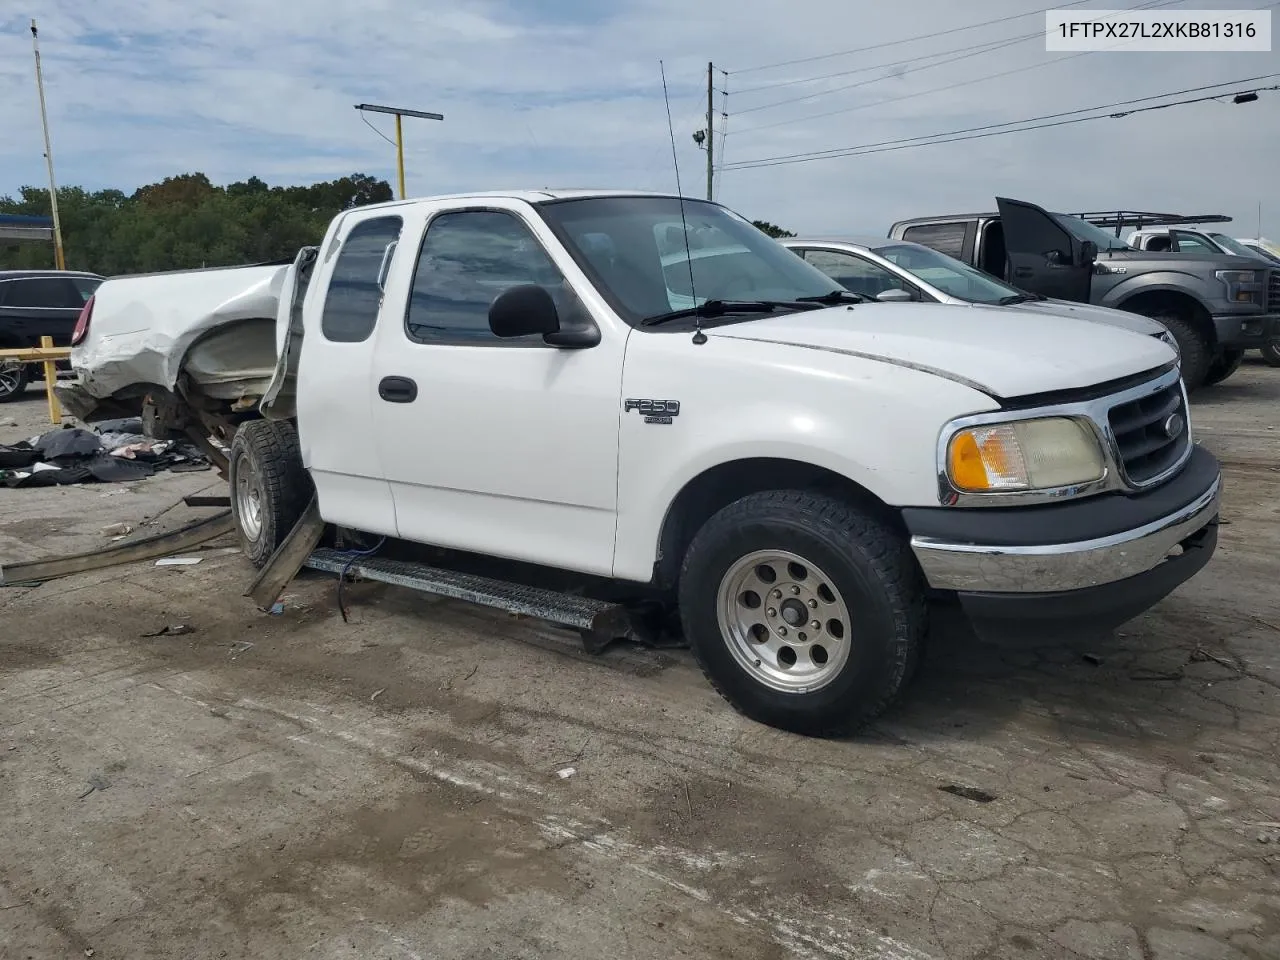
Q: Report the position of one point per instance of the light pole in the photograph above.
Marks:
(399, 112)
(59, 258)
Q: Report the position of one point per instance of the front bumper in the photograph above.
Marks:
(1246, 331)
(1103, 560)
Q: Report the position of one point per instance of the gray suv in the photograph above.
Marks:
(1215, 306)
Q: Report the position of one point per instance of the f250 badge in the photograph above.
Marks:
(654, 411)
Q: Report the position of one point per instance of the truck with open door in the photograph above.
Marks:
(1216, 306)
(648, 395)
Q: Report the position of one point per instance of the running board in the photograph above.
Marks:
(598, 622)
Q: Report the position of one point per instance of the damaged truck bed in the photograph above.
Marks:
(179, 345)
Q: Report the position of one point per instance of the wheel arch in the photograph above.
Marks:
(1149, 301)
(720, 485)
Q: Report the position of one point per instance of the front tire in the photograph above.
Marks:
(1271, 352)
(763, 571)
(1227, 363)
(1193, 347)
(14, 377)
(270, 488)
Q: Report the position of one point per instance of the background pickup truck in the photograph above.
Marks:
(35, 304)
(1201, 242)
(648, 395)
(1216, 306)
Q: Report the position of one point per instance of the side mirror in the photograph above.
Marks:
(895, 295)
(522, 311)
(1088, 253)
(530, 309)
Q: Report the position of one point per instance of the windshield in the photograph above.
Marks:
(633, 249)
(1232, 245)
(1083, 230)
(948, 274)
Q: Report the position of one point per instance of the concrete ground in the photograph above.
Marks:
(399, 786)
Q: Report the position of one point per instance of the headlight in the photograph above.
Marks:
(1242, 285)
(1171, 340)
(1024, 455)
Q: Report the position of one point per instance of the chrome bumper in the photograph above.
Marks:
(1051, 568)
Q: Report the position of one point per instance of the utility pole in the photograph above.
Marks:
(711, 138)
(399, 112)
(59, 257)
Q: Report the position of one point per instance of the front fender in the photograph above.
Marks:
(873, 423)
(1190, 286)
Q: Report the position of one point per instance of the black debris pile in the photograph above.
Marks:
(113, 451)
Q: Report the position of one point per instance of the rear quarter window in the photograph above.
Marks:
(946, 238)
(352, 301)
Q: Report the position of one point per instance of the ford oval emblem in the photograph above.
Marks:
(1173, 426)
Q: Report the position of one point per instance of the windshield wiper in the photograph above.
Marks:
(720, 308)
(1018, 298)
(837, 296)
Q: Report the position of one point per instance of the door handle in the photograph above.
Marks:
(397, 390)
(1023, 272)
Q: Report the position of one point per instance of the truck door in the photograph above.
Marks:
(506, 447)
(335, 390)
(1045, 257)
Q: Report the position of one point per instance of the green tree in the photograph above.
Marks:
(185, 221)
(772, 229)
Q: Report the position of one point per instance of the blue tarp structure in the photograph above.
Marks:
(17, 227)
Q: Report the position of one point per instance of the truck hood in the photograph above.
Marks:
(1134, 322)
(1001, 352)
(1190, 262)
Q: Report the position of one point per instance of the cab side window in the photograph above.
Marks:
(467, 259)
(948, 238)
(355, 290)
(854, 273)
(1190, 243)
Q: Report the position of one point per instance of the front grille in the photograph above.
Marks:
(1273, 291)
(1140, 427)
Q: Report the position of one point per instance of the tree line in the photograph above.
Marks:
(186, 221)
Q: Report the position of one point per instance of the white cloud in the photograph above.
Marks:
(552, 92)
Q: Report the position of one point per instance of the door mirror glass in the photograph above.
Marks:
(1088, 253)
(897, 295)
(523, 310)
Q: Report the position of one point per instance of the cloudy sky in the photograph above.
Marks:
(568, 92)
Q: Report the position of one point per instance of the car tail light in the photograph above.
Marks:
(82, 323)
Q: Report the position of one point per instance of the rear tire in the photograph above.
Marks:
(14, 377)
(758, 576)
(1193, 346)
(1227, 363)
(270, 488)
(1271, 353)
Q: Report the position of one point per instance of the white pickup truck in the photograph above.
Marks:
(651, 391)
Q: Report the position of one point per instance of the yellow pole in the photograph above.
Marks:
(400, 156)
(58, 257)
(50, 379)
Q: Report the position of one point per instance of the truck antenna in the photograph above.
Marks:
(698, 336)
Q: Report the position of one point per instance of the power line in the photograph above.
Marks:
(896, 43)
(977, 49)
(889, 146)
(1158, 4)
(1013, 123)
(988, 47)
(875, 66)
(375, 129)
